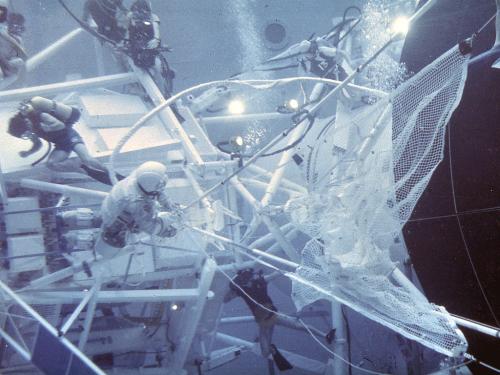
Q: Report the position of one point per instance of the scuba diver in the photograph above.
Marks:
(323, 61)
(12, 53)
(138, 203)
(110, 17)
(248, 283)
(144, 44)
(53, 121)
(252, 287)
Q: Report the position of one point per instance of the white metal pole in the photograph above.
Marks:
(280, 260)
(61, 87)
(48, 52)
(286, 183)
(268, 238)
(50, 328)
(62, 189)
(89, 315)
(79, 309)
(340, 341)
(167, 116)
(112, 296)
(192, 319)
(217, 120)
(273, 186)
(262, 185)
(273, 227)
(487, 330)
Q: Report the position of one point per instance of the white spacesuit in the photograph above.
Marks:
(136, 204)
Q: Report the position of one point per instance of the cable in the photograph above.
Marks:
(43, 156)
(300, 139)
(348, 331)
(472, 358)
(463, 213)
(462, 235)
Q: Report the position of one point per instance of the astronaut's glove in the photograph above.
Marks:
(165, 225)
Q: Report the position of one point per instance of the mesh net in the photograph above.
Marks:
(365, 176)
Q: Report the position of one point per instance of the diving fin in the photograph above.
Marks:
(100, 175)
(281, 362)
(496, 64)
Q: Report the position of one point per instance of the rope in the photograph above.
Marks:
(462, 235)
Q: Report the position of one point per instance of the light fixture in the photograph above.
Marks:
(293, 104)
(236, 142)
(236, 107)
(174, 307)
(401, 25)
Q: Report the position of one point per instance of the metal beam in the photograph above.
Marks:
(45, 54)
(277, 259)
(167, 116)
(113, 296)
(89, 316)
(62, 87)
(278, 174)
(62, 189)
(79, 308)
(193, 315)
(50, 329)
(217, 120)
(285, 182)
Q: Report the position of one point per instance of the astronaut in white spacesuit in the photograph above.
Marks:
(136, 204)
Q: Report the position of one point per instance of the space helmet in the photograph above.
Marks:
(151, 178)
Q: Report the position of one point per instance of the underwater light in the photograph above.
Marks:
(236, 142)
(401, 25)
(236, 107)
(293, 104)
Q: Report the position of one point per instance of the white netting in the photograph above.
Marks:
(365, 175)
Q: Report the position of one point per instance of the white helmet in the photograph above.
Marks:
(151, 177)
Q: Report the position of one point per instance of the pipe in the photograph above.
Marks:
(255, 251)
(62, 189)
(478, 327)
(48, 52)
(61, 87)
(217, 120)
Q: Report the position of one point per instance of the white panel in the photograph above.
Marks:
(104, 111)
(25, 245)
(30, 222)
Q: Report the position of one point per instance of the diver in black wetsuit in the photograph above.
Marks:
(248, 283)
(144, 45)
(110, 17)
(53, 121)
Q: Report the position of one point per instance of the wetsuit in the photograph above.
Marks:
(140, 32)
(104, 13)
(256, 287)
(64, 139)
